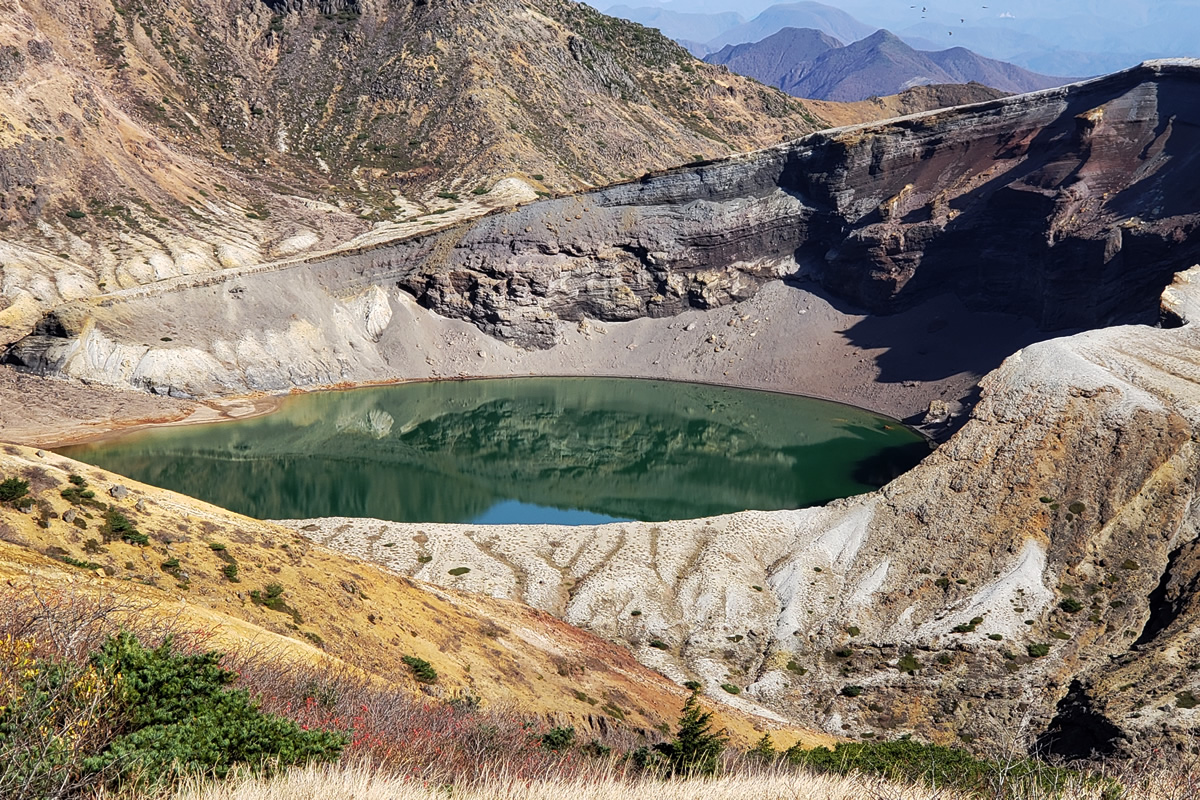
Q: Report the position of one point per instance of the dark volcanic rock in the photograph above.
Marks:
(1072, 206)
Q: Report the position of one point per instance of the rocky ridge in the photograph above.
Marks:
(145, 140)
(1086, 187)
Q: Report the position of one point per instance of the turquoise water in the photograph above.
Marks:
(560, 450)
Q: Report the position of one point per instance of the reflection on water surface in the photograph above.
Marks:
(566, 450)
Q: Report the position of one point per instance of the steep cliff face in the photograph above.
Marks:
(1072, 207)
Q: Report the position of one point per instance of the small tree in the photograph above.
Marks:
(697, 747)
(13, 489)
(764, 748)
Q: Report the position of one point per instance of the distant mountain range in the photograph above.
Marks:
(706, 33)
(1086, 37)
(810, 63)
(829, 20)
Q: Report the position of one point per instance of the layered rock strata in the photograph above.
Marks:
(1070, 207)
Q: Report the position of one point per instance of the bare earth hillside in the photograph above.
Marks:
(145, 140)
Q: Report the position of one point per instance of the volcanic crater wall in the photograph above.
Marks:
(1044, 559)
(1072, 207)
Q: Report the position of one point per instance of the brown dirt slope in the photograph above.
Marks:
(146, 139)
(344, 610)
(910, 101)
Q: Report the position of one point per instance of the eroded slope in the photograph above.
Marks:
(1048, 549)
(145, 140)
(335, 609)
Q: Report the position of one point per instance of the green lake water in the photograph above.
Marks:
(523, 450)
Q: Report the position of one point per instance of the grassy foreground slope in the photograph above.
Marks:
(249, 584)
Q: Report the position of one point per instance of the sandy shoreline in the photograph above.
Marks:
(785, 339)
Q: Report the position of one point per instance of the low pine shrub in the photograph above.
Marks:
(558, 738)
(422, 670)
(13, 489)
(118, 526)
(133, 715)
(906, 761)
(180, 716)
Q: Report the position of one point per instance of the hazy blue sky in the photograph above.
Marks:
(1073, 38)
(900, 9)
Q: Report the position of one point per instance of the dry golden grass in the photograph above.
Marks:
(1157, 781)
(350, 783)
(353, 615)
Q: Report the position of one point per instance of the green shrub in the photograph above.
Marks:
(459, 571)
(230, 571)
(12, 489)
(851, 691)
(558, 738)
(422, 670)
(908, 663)
(75, 562)
(75, 213)
(1070, 605)
(693, 685)
(272, 597)
(1076, 508)
(763, 749)
(853, 630)
(696, 748)
(1038, 649)
(968, 627)
(179, 717)
(117, 526)
(659, 644)
(729, 687)
(78, 494)
(216, 546)
(906, 761)
(1186, 699)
